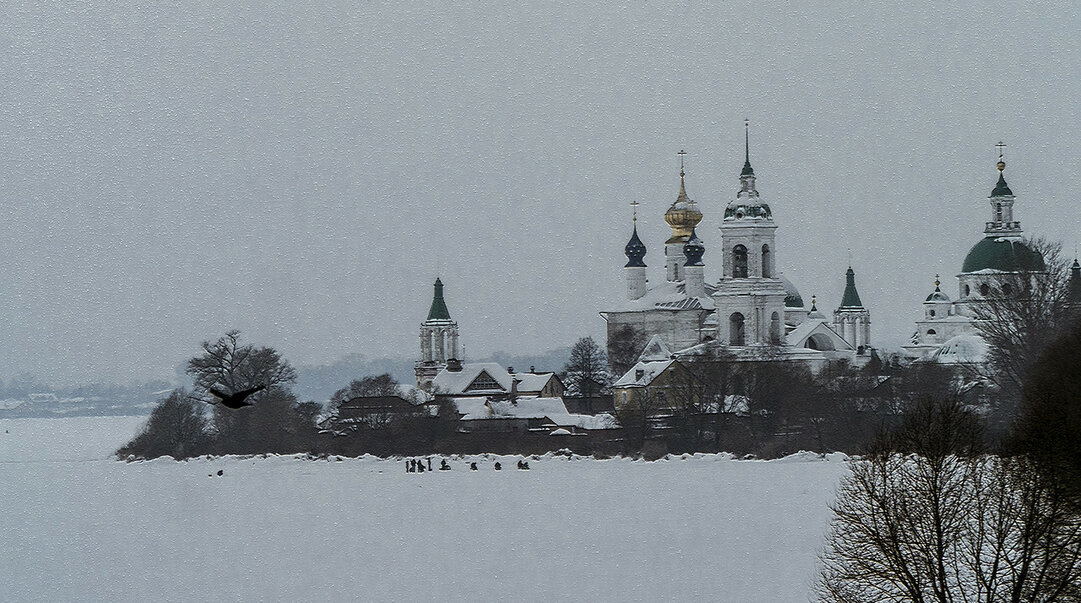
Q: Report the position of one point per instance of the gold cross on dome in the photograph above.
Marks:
(1001, 145)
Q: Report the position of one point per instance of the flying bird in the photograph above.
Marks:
(236, 399)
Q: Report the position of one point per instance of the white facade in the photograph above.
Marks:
(750, 306)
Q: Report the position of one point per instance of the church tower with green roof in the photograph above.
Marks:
(851, 320)
(438, 340)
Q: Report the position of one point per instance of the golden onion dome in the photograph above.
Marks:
(683, 216)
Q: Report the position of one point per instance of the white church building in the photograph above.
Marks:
(947, 331)
(749, 307)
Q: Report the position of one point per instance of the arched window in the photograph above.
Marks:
(766, 272)
(775, 329)
(1006, 289)
(984, 289)
(739, 261)
(931, 332)
(931, 313)
(967, 291)
(735, 329)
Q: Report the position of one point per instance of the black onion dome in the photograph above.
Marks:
(1001, 190)
(693, 250)
(635, 251)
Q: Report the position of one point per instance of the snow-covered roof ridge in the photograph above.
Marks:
(458, 382)
(670, 295)
(655, 350)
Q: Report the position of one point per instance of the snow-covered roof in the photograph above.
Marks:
(457, 382)
(525, 408)
(479, 408)
(533, 382)
(815, 326)
(962, 349)
(668, 296)
(643, 373)
(655, 350)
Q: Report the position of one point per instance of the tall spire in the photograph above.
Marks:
(850, 299)
(438, 310)
(1001, 189)
(747, 169)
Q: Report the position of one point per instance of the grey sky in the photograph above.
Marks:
(303, 172)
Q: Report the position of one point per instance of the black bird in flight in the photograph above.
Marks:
(236, 399)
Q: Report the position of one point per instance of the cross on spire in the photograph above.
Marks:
(634, 205)
(681, 153)
(1001, 145)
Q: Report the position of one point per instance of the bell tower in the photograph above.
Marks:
(749, 298)
(438, 340)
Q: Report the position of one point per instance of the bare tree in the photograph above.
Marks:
(1021, 316)
(227, 364)
(637, 415)
(371, 385)
(927, 517)
(587, 370)
(177, 427)
(624, 346)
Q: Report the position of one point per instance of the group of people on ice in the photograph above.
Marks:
(425, 464)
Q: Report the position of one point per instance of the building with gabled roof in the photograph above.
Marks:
(491, 379)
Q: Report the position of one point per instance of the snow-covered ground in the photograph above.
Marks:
(77, 525)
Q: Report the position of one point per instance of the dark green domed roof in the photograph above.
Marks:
(738, 211)
(937, 296)
(792, 298)
(1001, 189)
(1007, 255)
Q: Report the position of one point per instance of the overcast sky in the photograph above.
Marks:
(303, 172)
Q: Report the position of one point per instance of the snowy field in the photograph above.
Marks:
(79, 526)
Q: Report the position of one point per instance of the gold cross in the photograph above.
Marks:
(1001, 145)
(634, 204)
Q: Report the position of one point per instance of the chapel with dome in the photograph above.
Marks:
(994, 266)
(750, 306)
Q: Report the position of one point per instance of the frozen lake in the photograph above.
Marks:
(78, 525)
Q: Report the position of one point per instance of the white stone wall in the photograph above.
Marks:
(636, 281)
(678, 329)
(752, 236)
(757, 300)
(673, 261)
(695, 281)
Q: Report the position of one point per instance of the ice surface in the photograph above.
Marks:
(78, 526)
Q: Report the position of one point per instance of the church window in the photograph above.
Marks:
(985, 289)
(1006, 289)
(775, 329)
(735, 329)
(766, 271)
(931, 313)
(484, 382)
(739, 261)
(998, 212)
(967, 291)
